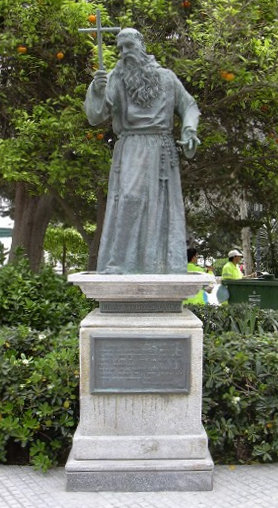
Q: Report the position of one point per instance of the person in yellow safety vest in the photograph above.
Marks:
(201, 296)
(231, 269)
(209, 267)
(192, 261)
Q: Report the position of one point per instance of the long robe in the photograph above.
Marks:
(144, 226)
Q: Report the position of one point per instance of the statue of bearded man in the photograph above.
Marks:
(144, 226)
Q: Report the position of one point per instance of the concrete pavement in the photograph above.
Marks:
(253, 486)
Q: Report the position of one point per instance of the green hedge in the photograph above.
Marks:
(240, 391)
(240, 396)
(39, 300)
(39, 368)
(241, 318)
(39, 373)
(39, 395)
(39, 378)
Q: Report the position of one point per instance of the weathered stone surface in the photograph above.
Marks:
(148, 414)
(113, 447)
(140, 440)
(139, 287)
(136, 476)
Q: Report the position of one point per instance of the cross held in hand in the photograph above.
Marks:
(99, 29)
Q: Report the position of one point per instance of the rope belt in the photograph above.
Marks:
(145, 132)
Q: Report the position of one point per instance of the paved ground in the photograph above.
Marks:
(234, 486)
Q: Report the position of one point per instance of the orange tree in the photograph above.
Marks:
(55, 165)
(225, 53)
(51, 161)
(227, 57)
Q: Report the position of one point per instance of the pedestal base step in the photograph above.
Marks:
(139, 475)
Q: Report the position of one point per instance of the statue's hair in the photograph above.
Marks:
(132, 33)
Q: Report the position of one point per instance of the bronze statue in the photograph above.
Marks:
(144, 226)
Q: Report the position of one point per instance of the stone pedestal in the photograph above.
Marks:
(140, 388)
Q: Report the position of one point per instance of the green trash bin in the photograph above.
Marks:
(260, 292)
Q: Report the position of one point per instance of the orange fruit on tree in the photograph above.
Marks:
(186, 4)
(21, 49)
(60, 55)
(230, 76)
(92, 18)
(89, 135)
(223, 74)
(100, 136)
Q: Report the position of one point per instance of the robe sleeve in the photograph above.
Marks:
(98, 104)
(188, 111)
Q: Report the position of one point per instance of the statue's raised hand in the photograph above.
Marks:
(100, 81)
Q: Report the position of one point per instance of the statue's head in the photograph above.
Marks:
(130, 43)
(137, 69)
(131, 34)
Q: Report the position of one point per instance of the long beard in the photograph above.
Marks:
(141, 79)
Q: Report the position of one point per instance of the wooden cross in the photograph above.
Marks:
(99, 29)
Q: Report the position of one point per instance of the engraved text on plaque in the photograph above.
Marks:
(145, 364)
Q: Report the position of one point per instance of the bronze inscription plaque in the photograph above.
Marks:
(139, 365)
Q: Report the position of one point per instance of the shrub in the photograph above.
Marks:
(240, 396)
(39, 394)
(242, 318)
(39, 373)
(39, 300)
(38, 364)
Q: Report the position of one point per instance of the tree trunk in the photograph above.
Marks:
(32, 216)
(246, 247)
(64, 258)
(74, 219)
(246, 240)
(93, 248)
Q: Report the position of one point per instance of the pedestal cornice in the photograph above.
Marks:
(138, 287)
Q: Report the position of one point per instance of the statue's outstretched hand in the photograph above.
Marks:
(100, 80)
